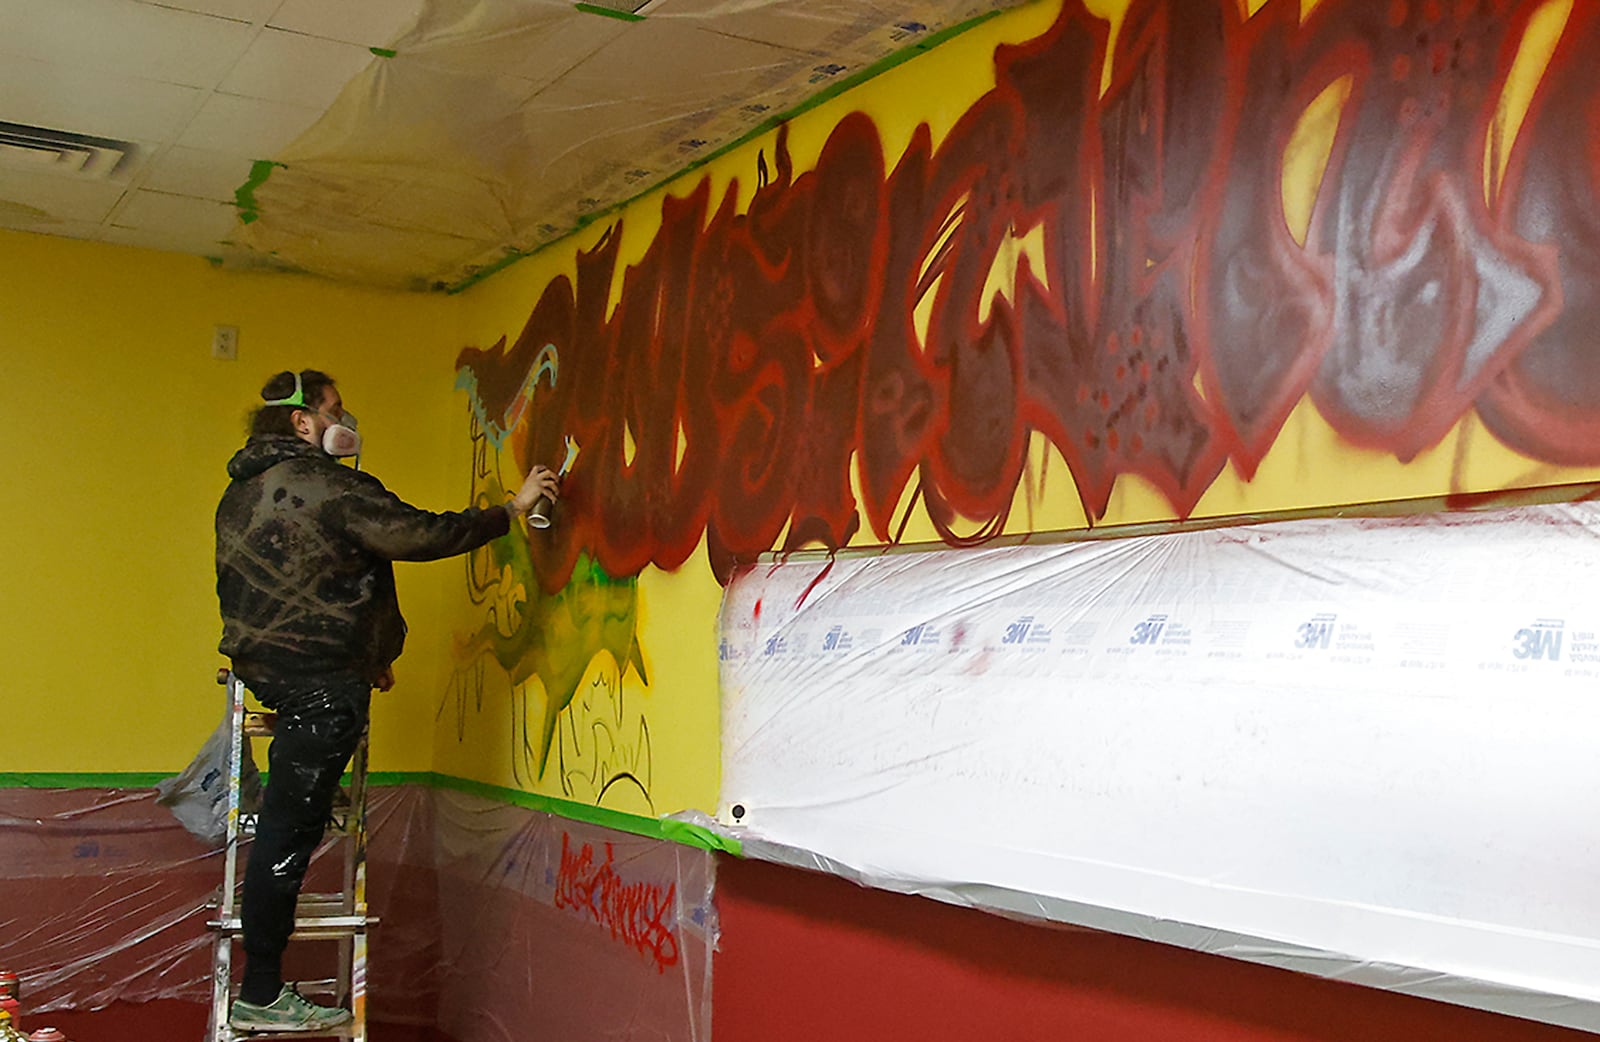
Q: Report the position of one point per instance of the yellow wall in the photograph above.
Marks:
(117, 424)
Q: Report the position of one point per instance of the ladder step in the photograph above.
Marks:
(311, 905)
(342, 1031)
(321, 926)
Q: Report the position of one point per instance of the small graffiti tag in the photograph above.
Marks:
(637, 914)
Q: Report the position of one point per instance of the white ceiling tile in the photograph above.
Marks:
(370, 23)
(27, 219)
(298, 69)
(257, 11)
(63, 198)
(117, 37)
(198, 172)
(178, 215)
(43, 95)
(248, 127)
(164, 239)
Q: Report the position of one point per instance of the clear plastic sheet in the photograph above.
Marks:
(492, 917)
(565, 930)
(1354, 747)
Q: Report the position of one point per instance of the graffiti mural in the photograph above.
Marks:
(1254, 209)
(562, 656)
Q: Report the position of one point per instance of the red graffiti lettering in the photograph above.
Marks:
(640, 915)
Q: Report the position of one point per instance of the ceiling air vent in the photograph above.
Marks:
(45, 151)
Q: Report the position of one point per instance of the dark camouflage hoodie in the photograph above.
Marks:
(303, 572)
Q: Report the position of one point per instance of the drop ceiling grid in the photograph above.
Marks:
(211, 84)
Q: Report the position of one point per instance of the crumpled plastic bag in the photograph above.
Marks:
(198, 796)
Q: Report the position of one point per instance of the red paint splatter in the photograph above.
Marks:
(800, 601)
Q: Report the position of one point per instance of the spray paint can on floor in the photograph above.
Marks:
(11, 998)
(47, 1035)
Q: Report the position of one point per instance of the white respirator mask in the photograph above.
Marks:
(341, 439)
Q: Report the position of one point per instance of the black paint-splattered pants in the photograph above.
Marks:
(314, 737)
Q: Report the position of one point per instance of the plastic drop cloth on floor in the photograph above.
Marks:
(493, 917)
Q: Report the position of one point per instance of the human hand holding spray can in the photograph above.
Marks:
(544, 506)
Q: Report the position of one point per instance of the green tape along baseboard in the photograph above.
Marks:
(664, 829)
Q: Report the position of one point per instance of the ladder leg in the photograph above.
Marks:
(356, 879)
(358, 987)
(228, 895)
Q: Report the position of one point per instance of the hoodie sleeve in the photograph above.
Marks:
(384, 524)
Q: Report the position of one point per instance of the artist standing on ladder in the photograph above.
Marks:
(312, 625)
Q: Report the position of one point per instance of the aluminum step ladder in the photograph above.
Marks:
(340, 916)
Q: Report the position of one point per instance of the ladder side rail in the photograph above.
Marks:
(227, 898)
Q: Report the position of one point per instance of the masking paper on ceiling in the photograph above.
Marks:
(1332, 743)
(499, 125)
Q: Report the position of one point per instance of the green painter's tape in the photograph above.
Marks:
(244, 197)
(833, 90)
(698, 836)
(652, 828)
(638, 825)
(79, 780)
(608, 12)
(383, 52)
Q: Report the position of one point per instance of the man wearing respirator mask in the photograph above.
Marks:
(312, 625)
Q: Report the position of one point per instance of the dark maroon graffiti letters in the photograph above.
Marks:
(1113, 270)
(1546, 401)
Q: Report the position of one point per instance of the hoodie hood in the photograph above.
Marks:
(268, 450)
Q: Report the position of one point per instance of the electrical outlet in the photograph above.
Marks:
(225, 343)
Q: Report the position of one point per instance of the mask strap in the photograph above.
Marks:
(297, 399)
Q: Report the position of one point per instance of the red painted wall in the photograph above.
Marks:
(813, 958)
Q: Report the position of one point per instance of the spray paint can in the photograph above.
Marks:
(7, 1032)
(47, 1035)
(11, 1001)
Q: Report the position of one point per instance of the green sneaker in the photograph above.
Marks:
(288, 1012)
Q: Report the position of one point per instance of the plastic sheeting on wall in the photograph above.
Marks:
(496, 921)
(1358, 747)
(556, 929)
